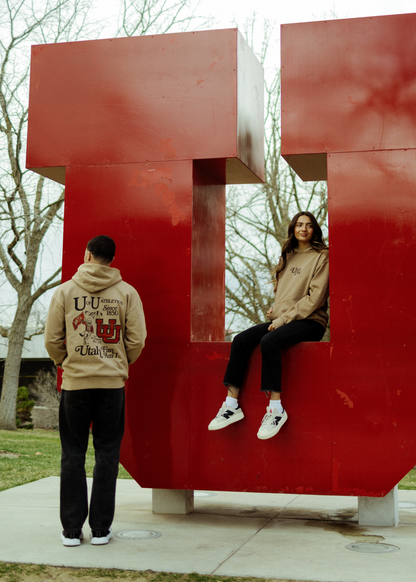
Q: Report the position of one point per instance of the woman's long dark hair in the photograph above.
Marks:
(317, 242)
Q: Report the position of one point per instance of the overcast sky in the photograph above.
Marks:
(284, 11)
(226, 13)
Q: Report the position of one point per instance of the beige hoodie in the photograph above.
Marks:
(95, 328)
(303, 288)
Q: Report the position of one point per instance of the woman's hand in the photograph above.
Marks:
(269, 313)
(271, 327)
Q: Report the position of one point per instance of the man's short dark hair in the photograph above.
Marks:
(103, 248)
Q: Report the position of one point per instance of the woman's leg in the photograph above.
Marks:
(303, 330)
(271, 345)
(241, 348)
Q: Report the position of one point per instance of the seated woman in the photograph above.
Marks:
(299, 314)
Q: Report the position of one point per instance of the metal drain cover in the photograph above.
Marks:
(407, 505)
(138, 534)
(204, 494)
(372, 548)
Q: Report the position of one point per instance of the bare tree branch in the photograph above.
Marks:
(29, 205)
(139, 17)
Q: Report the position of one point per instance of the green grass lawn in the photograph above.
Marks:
(29, 455)
(408, 482)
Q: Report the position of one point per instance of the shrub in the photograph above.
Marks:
(43, 389)
(24, 407)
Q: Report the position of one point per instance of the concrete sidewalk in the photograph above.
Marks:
(230, 534)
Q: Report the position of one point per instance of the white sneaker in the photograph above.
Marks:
(226, 416)
(71, 539)
(271, 424)
(100, 538)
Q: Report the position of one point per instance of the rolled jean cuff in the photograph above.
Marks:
(228, 385)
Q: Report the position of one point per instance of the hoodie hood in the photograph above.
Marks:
(94, 278)
(305, 250)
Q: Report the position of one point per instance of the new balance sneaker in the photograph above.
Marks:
(271, 424)
(100, 538)
(226, 416)
(71, 539)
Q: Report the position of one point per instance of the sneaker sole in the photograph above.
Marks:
(274, 433)
(232, 420)
(101, 541)
(70, 542)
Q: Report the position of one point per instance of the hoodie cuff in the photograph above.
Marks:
(278, 322)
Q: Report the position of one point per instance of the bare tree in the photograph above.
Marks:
(29, 205)
(139, 17)
(258, 216)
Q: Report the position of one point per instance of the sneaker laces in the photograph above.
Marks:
(267, 417)
(274, 416)
(221, 411)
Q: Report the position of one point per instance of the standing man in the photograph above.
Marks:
(95, 328)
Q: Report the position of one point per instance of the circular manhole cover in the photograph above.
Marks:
(138, 534)
(204, 494)
(372, 548)
(407, 505)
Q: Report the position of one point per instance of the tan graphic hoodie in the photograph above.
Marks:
(303, 288)
(95, 328)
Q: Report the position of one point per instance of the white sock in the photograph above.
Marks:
(277, 405)
(231, 402)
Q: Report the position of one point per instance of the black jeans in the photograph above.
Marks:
(271, 342)
(104, 408)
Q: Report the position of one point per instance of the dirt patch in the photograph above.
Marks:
(34, 573)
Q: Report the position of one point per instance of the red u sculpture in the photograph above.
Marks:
(145, 132)
(348, 117)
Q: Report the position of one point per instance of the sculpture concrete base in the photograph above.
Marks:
(177, 501)
(382, 511)
(372, 511)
